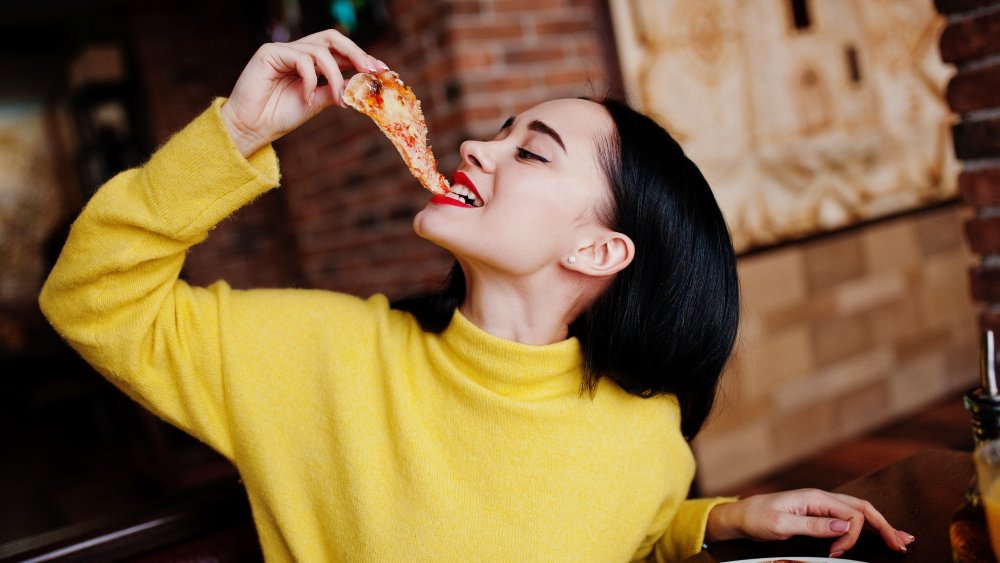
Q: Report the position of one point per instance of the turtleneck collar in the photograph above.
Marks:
(510, 368)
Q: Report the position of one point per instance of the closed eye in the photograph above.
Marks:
(528, 155)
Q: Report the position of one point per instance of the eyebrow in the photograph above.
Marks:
(539, 127)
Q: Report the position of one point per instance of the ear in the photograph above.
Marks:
(606, 255)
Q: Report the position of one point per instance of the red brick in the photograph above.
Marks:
(480, 113)
(955, 6)
(401, 6)
(463, 7)
(977, 139)
(589, 49)
(985, 284)
(975, 89)
(980, 188)
(472, 59)
(983, 234)
(503, 84)
(526, 6)
(567, 77)
(434, 75)
(563, 27)
(990, 320)
(969, 39)
(427, 17)
(484, 32)
(526, 56)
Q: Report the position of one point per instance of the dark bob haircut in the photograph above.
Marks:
(667, 323)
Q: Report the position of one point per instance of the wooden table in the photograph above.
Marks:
(917, 494)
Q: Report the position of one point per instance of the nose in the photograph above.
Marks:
(478, 154)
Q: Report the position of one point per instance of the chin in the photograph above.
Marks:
(437, 232)
(427, 228)
(420, 226)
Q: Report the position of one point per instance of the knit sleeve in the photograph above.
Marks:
(114, 293)
(684, 531)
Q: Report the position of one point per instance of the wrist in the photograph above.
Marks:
(245, 140)
(724, 523)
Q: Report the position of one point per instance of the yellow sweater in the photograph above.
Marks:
(358, 436)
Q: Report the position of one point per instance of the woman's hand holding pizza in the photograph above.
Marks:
(279, 89)
(804, 512)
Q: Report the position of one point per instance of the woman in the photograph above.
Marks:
(539, 413)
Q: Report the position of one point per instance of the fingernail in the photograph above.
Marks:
(312, 98)
(836, 554)
(839, 526)
(382, 65)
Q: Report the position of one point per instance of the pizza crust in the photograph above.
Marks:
(396, 110)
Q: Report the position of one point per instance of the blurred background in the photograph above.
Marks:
(850, 143)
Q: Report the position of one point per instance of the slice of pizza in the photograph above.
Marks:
(392, 105)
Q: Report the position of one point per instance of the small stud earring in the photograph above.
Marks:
(571, 260)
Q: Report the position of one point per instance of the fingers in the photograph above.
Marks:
(874, 519)
(284, 59)
(323, 60)
(816, 513)
(816, 526)
(345, 50)
(331, 51)
(825, 503)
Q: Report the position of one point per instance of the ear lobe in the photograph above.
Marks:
(606, 256)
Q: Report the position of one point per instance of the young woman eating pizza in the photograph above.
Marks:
(538, 409)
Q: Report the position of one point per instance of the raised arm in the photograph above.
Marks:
(279, 88)
(114, 293)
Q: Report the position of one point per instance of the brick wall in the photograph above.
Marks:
(972, 42)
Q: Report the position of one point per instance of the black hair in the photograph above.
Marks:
(667, 323)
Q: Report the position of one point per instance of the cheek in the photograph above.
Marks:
(431, 224)
(541, 224)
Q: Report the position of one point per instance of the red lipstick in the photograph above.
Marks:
(445, 200)
(459, 178)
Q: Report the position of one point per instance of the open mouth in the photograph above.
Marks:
(464, 191)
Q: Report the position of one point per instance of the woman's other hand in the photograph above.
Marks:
(279, 88)
(804, 512)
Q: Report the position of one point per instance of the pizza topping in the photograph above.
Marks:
(392, 106)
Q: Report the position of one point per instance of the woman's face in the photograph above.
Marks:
(536, 189)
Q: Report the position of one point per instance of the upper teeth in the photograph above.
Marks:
(465, 195)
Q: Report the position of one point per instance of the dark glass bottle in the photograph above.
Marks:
(970, 538)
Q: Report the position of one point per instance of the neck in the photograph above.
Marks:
(536, 309)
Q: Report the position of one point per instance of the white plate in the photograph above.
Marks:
(802, 559)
